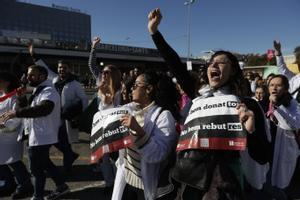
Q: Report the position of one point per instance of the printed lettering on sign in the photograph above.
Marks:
(213, 123)
(108, 134)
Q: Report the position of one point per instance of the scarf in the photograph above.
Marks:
(270, 113)
(139, 115)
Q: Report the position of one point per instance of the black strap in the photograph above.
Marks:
(295, 91)
(164, 178)
(298, 94)
(35, 93)
(161, 110)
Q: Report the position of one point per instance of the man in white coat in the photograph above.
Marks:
(294, 79)
(42, 120)
(73, 101)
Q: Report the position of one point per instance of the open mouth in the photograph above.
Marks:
(274, 93)
(215, 75)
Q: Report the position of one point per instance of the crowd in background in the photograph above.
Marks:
(58, 109)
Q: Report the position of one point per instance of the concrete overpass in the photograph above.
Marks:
(125, 57)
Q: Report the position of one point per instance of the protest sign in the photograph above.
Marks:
(108, 134)
(213, 123)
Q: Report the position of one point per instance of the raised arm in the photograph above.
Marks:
(38, 61)
(280, 61)
(172, 59)
(92, 59)
(32, 53)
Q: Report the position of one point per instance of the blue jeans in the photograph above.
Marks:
(39, 163)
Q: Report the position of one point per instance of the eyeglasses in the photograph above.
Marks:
(135, 85)
(219, 63)
(106, 72)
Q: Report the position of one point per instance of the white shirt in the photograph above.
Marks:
(11, 150)
(44, 130)
(294, 79)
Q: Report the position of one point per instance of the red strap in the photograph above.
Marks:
(18, 91)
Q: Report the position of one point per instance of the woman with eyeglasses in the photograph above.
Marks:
(213, 174)
(143, 168)
(11, 146)
(109, 87)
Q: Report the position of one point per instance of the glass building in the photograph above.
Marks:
(55, 26)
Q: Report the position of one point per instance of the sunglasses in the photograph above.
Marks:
(135, 85)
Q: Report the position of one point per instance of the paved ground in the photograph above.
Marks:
(89, 185)
(84, 182)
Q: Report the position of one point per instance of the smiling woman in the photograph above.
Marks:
(224, 68)
(214, 174)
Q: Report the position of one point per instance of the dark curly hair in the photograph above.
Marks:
(164, 92)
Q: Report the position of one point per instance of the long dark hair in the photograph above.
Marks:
(164, 92)
(236, 82)
(115, 77)
(14, 82)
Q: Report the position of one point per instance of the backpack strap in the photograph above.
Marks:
(297, 90)
(298, 95)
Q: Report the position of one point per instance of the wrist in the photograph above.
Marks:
(278, 53)
(152, 31)
(12, 114)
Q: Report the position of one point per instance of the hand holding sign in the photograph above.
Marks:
(246, 117)
(130, 122)
(108, 134)
(216, 123)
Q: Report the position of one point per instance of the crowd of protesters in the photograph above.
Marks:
(151, 168)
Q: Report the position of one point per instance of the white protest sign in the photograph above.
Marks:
(108, 134)
(213, 123)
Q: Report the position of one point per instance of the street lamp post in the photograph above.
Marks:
(188, 3)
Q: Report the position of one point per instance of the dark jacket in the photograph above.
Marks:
(204, 168)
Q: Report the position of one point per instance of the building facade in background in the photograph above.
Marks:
(60, 32)
(56, 26)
